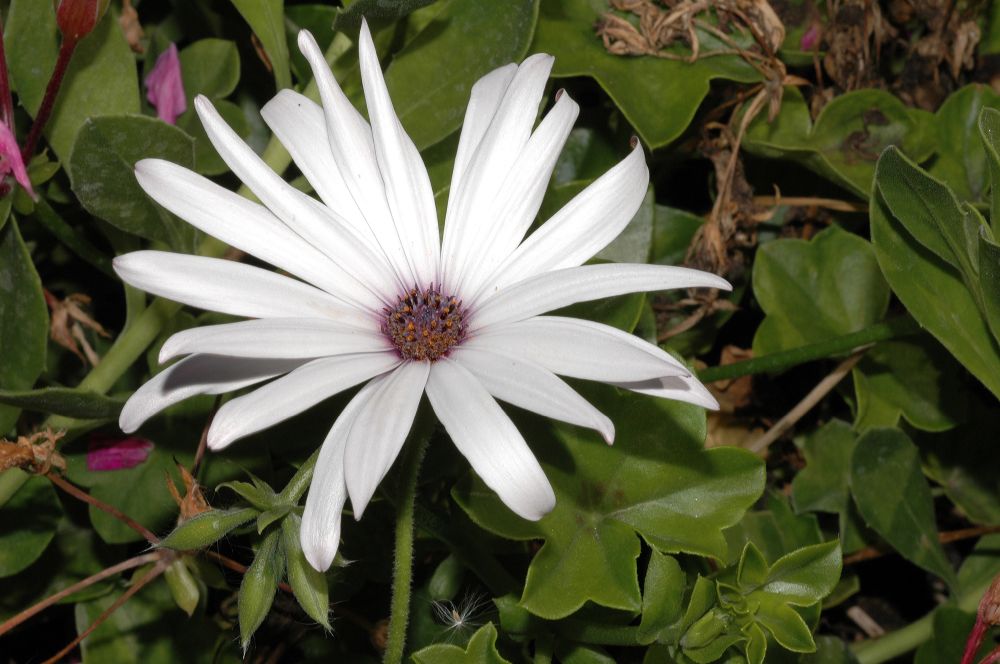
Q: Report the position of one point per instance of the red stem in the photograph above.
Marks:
(113, 511)
(974, 640)
(6, 103)
(49, 100)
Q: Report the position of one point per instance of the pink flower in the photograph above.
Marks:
(810, 39)
(117, 453)
(164, 88)
(10, 159)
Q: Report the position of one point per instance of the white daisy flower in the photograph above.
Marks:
(380, 299)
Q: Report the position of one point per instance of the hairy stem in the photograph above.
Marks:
(891, 329)
(402, 572)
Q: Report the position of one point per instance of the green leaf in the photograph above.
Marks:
(823, 485)
(775, 531)
(963, 463)
(806, 576)
(935, 295)
(947, 644)
(930, 213)
(673, 230)
(662, 597)
(259, 585)
(989, 280)
(267, 19)
(308, 585)
(989, 131)
(830, 650)
(76, 403)
(656, 481)
(183, 588)
(374, 11)
(447, 579)
(960, 159)
(24, 320)
(101, 80)
(28, 522)
(815, 290)
(658, 97)
(482, 649)
(752, 569)
(430, 97)
(847, 137)
(258, 494)
(894, 498)
(102, 174)
(575, 653)
(209, 67)
(787, 626)
(147, 629)
(206, 528)
(914, 378)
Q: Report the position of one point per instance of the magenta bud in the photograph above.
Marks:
(77, 18)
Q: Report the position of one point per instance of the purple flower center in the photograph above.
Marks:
(424, 325)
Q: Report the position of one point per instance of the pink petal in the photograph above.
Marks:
(10, 159)
(810, 38)
(164, 88)
(116, 452)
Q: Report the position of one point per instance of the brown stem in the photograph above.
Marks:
(132, 590)
(113, 511)
(30, 612)
(949, 536)
(814, 397)
(49, 100)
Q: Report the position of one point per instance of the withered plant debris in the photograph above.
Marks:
(68, 321)
(34, 453)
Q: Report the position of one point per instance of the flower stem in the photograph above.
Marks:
(902, 641)
(402, 571)
(49, 100)
(131, 563)
(79, 494)
(901, 326)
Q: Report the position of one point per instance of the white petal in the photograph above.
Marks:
(560, 288)
(228, 287)
(277, 338)
(580, 349)
(361, 270)
(493, 159)
(238, 222)
(380, 429)
(198, 374)
(484, 434)
(293, 393)
(584, 226)
(320, 534)
(407, 185)
(678, 388)
(353, 150)
(508, 217)
(300, 125)
(484, 100)
(532, 387)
